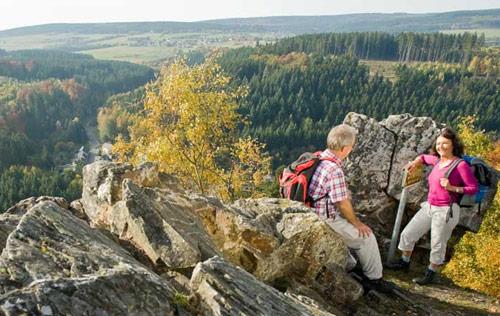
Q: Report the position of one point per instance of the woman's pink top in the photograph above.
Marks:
(461, 176)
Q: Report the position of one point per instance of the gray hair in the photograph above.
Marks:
(341, 136)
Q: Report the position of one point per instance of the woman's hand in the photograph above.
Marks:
(413, 164)
(445, 183)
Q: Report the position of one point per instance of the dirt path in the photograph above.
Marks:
(442, 298)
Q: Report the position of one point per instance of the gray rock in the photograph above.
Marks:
(375, 167)
(367, 168)
(162, 224)
(55, 263)
(11, 217)
(227, 290)
(76, 207)
(287, 244)
(271, 238)
(116, 293)
(160, 221)
(414, 136)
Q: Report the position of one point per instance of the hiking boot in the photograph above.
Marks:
(378, 285)
(399, 265)
(357, 269)
(427, 278)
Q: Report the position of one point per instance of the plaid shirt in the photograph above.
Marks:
(328, 179)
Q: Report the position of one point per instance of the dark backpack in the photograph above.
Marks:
(486, 176)
(295, 179)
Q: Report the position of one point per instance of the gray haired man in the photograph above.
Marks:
(336, 209)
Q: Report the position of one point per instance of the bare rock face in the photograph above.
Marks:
(159, 221)
(368, 166)
(283, 243)
(375, 166)
(414, 136)
(311, 254)
(53, 263)
(102, 185)
(227, 290)
(11, 217)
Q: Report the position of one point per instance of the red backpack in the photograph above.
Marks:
(295, 179)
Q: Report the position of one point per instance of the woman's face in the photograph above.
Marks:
(444, 146)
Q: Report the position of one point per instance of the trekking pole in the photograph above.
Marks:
(399, 218)
(408, 180)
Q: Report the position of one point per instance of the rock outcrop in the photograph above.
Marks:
(11, 217)
(279, 241)
(153, 215)
(308, 251)
(53, 263)
(375, 166)
(224, 289)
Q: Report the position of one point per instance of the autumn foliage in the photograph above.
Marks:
(476, 260)
(190, 127)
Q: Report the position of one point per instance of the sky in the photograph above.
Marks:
(16, 13)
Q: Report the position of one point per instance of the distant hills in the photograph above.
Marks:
(393, 22)
(152, 43)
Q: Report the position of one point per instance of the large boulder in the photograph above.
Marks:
(225, 289)
(375, 166)
(102, 185)
(53, 263)
(368, 166)
(374, 169)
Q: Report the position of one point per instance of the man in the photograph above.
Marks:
(336, 209)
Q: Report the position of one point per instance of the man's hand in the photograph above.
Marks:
(363, 229)
(345, 208)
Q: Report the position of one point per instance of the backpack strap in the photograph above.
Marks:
(326, 204)
(453, 165)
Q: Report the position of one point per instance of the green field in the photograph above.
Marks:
(385, 68)
(488, 33)
(139, 55)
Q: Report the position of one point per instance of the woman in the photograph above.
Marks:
(440, 213)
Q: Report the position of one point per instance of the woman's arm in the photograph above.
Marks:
(429, 159)
(420, 160)
(470, 182)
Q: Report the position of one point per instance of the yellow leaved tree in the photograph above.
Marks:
(190, 128)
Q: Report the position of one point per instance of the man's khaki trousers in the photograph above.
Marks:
(366, 249)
